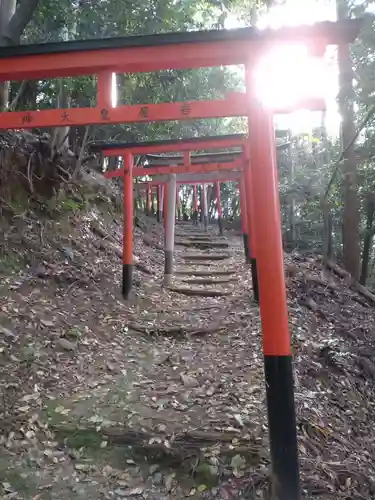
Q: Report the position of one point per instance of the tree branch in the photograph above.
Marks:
(19, 21)
(336, 164)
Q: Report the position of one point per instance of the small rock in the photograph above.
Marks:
(121, 493)
(158, 478)
(168, 480)
(47, 323)
(211, 391)
(188, 380)
(65, 344)
(111, 366)
(68, 252)
(238, 419)
(7, 333)
(135, 491)
(153, 468)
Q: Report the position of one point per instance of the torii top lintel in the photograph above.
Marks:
(149, 149)
(171, 145)
(162, 51)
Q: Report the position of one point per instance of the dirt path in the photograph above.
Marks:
(163, 397)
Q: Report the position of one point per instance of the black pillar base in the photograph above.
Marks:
(127, 279)
(282, 427)
(220, 224)
(158, 216)
(254, 275)
(246, 248)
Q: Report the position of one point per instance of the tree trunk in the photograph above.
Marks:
(292, 201)
(351, 217)
(367, 243)
(13, 21)
(7, 10)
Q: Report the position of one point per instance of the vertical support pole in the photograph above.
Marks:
(195, 206)
(165, 209)
(104, 92)
(153, 195)
(273, 304)
(178, 203)
(244, 224)
(149, 199)
(169, 238)
(162, 197)
(158, 206)
(205, 207)
(219, 208)
(127, 255)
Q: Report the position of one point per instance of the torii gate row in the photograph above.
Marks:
(246, 46)
(148, 149)
(195, 180)
(191, 163)
(230, 171)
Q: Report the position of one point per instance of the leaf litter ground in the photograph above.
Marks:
(163, 397)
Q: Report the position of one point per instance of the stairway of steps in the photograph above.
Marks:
(204, 264)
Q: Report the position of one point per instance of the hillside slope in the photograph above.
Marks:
(163, 396)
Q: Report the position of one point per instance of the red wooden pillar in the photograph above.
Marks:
(273, 304)
(219, 208)
(244, 223)
(127, 256)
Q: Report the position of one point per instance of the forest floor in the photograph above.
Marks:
(162, 396)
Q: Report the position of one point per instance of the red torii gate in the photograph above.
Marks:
(185, 51)
(188, 163)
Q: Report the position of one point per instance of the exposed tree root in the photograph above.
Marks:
(207, 281)
(203, 244)
(362, 290)
(178, 448)
(206, 256)
(203, 272)
(200, 292)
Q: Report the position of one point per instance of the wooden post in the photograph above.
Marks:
(178, 204)
(205, 207)
(244, 224)
(169, 235)
(162, 196)
(127, 256)
(195, 205)
(219, 208)
(273, 304)
(158, 204)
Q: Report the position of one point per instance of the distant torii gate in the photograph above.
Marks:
(229, 166)
(246, 46)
